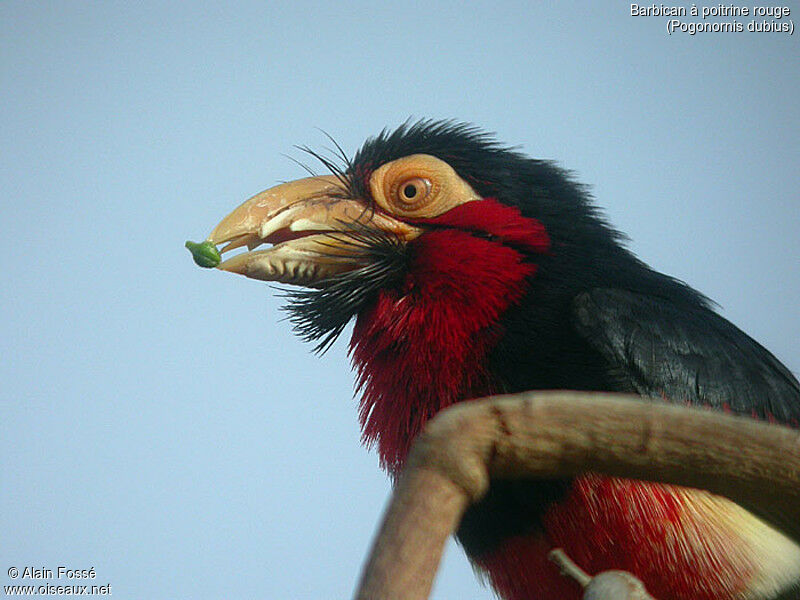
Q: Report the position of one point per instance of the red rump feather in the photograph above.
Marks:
(422, 346)
(673, 539)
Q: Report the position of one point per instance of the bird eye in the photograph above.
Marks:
(414, 190)
(418, 186)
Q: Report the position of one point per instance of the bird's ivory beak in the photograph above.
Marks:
(310, 224)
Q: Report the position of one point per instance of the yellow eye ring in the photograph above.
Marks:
(418, 186)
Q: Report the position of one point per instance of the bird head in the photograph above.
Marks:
(348, 234)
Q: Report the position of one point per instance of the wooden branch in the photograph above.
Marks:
(562, 434)
(608, 585)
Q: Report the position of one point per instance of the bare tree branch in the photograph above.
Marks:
(608, 585)
(555, 434)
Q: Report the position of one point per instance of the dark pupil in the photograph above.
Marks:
(410, 191)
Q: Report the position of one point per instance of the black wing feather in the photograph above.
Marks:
(685, 354)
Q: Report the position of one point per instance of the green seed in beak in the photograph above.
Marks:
(205, 254)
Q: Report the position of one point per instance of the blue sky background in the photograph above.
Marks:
(158, 422)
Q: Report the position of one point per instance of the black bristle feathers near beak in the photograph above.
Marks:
(321, 314)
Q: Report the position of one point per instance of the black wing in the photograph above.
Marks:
(685, 354)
